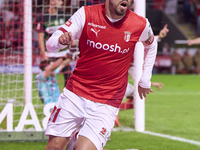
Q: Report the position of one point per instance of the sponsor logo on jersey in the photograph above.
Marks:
(127, 36)
(97, 26)
(68, 23)
(112, 48)
(96, 32)
(104, 133)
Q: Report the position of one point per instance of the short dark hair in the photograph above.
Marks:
(43, 64)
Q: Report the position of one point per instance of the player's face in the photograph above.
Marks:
(118, 7)
(56, 3)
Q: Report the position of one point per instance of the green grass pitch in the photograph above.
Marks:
(174, 111)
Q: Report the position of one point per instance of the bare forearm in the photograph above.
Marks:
(41, 47)
(194, 41)
(64, 63)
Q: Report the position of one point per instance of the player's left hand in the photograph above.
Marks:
(144, 91)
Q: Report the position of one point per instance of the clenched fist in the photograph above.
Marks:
(65, 38)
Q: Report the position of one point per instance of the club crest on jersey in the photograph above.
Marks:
(104, 133)
(68, 23)
(127, 36)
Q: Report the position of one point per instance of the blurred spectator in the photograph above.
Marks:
(188, 61)
(46, 82)
(159, 4)
(92, 2)
(166, 49)
(177, 64)
(47, 24)
(163, 33)
(187, 10)
(196, 59)
(11, 29)
(198, 17)
(171, 7)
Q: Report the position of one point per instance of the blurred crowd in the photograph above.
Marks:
(11, 25)
(185, 63)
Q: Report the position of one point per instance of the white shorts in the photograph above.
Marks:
(69, 112)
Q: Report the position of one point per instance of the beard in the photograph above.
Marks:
(120, 12)
(117, 9)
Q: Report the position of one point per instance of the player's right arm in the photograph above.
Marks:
(69, 31)
(41, 34)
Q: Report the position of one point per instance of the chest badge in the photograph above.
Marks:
(127, 36)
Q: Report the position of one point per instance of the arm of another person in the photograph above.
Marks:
(162, 33)
(40, 28)
(49, 70)
(42, 45)
(64, 63)
(157, 84)
(193, 42)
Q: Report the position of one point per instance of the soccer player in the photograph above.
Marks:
(46, 82)
(107, 36)
(47, 23)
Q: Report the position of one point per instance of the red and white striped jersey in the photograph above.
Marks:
(106, 51)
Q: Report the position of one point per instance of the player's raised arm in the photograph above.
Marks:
(150, 51)
(68, 32)
(163, 32)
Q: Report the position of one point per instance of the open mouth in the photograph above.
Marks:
(124, 4)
